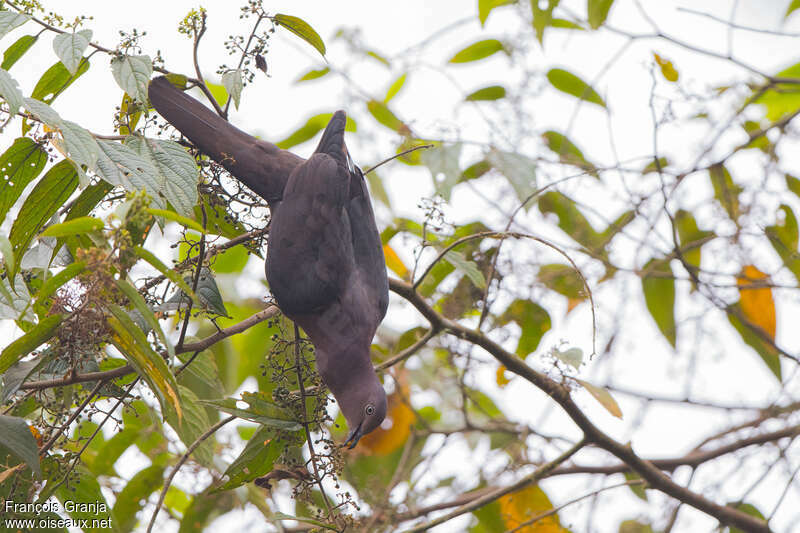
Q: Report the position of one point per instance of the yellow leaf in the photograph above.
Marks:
(756, 302)
(519, 507)
(385, 441)
(394, 262)
(502, 380)
(667, 69)
(603, 396)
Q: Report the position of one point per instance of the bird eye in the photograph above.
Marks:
(370, 410)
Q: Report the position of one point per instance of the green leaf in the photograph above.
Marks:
(123, 166)
(8, 254)
(603, 396)
(232, 81)
(75, 226)
(302, 29)
(231, 260)
(533, 321)
(793, 6)
(542, 17)
(570, 356)
(10, 20)
(492, 92)
(55, 80)
(192, 425)
(130, 500)
(38, 335)
(140, 305)
(256, 460)
(469, 268)
(14, 301)
(567, 152)
(571, 84)
(14, 52)
(379, 58)
(385, 116)
(132, 342)
(83, 488)
(69, 47)
(132, 74)
(79, 144)
(170, 274)
(784, 239)
(562, 279)
(22, 162)
(726, 191)
(394, 88)
(47, 197)
(565, 24)
(658, 285)
(176, 172)
(261, 411)
(570, 219)
(476, 170)
(9, 90)
(485, 8)
(519, 170)
(691, 237)
(443, 162)
(477, 50)
(218, 92)
(634, 526)
(746, 508)
(312, 521)
(782, 98)
(16, 436)
(768, 353)
(175, 217)
(312, 126)
(313, 74)
(638, 490)
(598, 12)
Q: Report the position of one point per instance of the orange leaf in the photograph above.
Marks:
(394, 262)
(385, 441)
(36, 435)
(757, 303)
(572, 303)
(502, 380)
(523, 505)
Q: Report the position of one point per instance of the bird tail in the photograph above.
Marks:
(332, 141)
(261, 165)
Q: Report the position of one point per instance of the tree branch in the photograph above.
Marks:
(561, 395)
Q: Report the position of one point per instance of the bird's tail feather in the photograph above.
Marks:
(332, 141)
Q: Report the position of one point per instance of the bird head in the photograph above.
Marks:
(364, 408)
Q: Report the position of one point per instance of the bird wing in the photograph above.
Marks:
(367, 247)
(260, 165)
(310, 254)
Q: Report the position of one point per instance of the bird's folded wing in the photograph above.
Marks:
(367, 247)
(310, 254)
(260, 165)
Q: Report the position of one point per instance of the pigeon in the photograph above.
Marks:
(325, 263)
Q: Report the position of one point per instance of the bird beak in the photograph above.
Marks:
(353, 438)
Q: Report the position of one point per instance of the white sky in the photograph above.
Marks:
(273, 107)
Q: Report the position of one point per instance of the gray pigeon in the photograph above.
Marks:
(325, 263)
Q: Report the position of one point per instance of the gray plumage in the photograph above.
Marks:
(325, 263)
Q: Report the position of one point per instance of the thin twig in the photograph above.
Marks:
(167, 482)
(401, 154)
(531, 478)
(314, 458)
